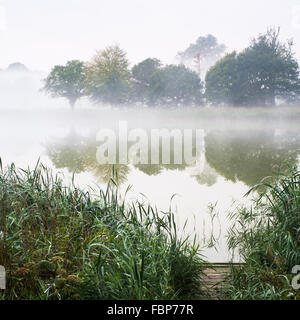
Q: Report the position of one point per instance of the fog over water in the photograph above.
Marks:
(241, 146)
(238, 146)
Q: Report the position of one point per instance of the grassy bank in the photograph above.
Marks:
(267, 237)
(59, 242)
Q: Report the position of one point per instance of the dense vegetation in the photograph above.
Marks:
(267, 239)
(263, 74)
(107, 76)
(67, 81)
(58, 242)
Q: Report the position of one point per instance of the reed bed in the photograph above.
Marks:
(267, 237)
(59, 242)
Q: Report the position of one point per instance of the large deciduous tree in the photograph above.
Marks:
(141, 79)
(108, 76)
(262, 73)
(175, 85)
(223, 82)
(67, 81)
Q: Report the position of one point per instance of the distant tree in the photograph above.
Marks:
(175, 85)
(144, 70)
(67, 81)
(141, 78)
(208, 49)
(223, 82)
(108, 76)
(17, 66)
(262, 73)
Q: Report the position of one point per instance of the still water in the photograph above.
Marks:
(239, 148)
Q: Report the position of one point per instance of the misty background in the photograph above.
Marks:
(42, 34)
(35, 36)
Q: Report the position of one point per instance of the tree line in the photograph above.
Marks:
(263, 74)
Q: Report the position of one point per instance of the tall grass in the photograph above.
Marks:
(267, 236)
(58, 242)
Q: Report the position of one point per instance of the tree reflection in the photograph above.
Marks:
(249, 156)
(208, 176)
(78, 154)
(238, 156)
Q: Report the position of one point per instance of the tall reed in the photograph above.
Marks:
(59, 242)
(267, 237)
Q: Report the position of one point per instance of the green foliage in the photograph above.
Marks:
(140, 264)
(222, 82)
(143, 71)
(67, 81)
(176, 86)
(173, 85)
(262, 73)
(108, 76)
(141, 78)
(267, 239)
(253, 282)
(59, 242)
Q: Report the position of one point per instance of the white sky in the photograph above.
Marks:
(43, 33)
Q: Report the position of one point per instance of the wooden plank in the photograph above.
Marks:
(214, 276)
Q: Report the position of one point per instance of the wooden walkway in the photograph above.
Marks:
(215, 274)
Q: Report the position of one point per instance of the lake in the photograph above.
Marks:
(238, 147)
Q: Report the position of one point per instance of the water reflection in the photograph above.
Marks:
(231, 161)
(249, 156)
(240, 148)
(77, 153)
(245, 156)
